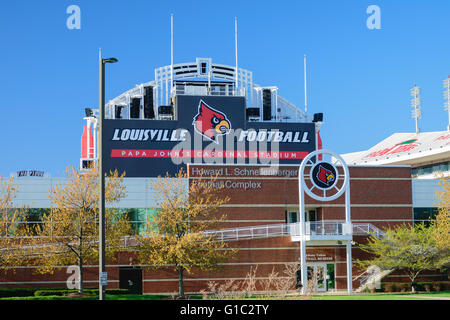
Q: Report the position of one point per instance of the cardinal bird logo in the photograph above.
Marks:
(325, 176)
(210, 123)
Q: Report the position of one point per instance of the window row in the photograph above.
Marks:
(435, 168)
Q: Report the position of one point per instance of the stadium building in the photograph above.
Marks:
(212, 119)
(428, 154)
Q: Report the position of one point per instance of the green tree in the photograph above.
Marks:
(68, 235)
(175, 235)
(9, 220)
(407, 248)
(442, 221)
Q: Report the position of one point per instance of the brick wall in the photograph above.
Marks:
(379, 195)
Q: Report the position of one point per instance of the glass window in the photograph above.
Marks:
(203, 68)
(424, 215)
(32, 217)
(443, 166)
(138, 217)
(312, 216)
(427, 170)
(292, 217)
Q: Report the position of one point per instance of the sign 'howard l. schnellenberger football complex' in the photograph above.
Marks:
(207, 129)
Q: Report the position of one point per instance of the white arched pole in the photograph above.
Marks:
(348, 224)
(303, 269)
(302, 188)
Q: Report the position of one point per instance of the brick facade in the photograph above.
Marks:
(381, 196)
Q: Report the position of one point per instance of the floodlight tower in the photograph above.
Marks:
(447, 97)
(415, 105)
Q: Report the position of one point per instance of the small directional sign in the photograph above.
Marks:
(103, 278)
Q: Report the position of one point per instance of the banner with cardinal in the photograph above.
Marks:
(206, 129)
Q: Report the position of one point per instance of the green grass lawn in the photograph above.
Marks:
(386, 296)
(362, 296)
(94, 297)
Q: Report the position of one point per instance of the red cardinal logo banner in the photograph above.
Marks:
(210, 122)
(325, 176)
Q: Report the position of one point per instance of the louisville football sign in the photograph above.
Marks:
(205, 129)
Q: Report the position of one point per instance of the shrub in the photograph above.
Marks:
(424, 286)
(64, 292)
(118, 291)
(29, 292)
(420, 286)
(389, 287)
(437, 286)
(16, 292)
(53, 292)
(404, 287)
(445, 285)
(108, 291)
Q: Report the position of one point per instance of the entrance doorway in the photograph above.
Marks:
(131, 278)
(322, 276)
(317, 275)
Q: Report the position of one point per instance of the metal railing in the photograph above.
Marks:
(205, 89)
(371, 278)
(367, 229)
(264, 231)
(326, 228)
(320, 228)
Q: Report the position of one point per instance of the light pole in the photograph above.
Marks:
(101, 107)
(415, 104)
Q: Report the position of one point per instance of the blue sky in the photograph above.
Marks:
(359, 78)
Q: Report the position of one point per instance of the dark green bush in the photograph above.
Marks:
(420, 286)
(28, 292)
(53, 292)
(108, 291)
(404, 287)
(424, 286)
(389, 287)
(64, 292)
(437, 286)
(16, 292)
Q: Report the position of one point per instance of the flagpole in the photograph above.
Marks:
(236, 52)
(304, 68)
(171, 52)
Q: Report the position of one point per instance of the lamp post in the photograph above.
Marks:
(101, 262)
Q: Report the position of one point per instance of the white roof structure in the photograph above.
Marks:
(415, 149)
(180, 79)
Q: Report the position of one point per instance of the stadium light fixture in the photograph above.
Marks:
(89, 112)
(447, 98)
(415, 104)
